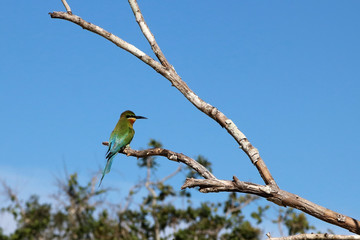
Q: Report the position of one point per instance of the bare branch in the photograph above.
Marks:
(171, 175)
(129, 198)
(153, 200)
(271, 193)
(111, 37)
(280, 220)
(206, 108)
(67, 7)
(210, 184)
(173, 156)
(313, 236)
(148, 175)
(176, 81)
(148, 34)
(277, 196)
(216, 185)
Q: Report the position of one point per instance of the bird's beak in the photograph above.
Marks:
(140, 117)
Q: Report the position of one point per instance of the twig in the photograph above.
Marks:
(170, 175)
(280, 221)
(129, 198)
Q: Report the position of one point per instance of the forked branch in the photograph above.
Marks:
(316, 236)
(270, 190)
(270, 193)
(169, 73)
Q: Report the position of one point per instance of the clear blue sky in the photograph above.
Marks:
(286, 72)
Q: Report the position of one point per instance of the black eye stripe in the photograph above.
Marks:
(130, 116)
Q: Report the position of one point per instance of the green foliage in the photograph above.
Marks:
(259, 215)
(244, 231)
(32, 220)
(154, 144)
(296, 222)
(81, 214)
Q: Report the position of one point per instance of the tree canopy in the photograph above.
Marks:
(80, 212)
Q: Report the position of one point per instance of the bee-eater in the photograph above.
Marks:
(120, 137)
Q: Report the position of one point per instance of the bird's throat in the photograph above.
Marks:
(132, 120)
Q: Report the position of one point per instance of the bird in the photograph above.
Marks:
(120, 138)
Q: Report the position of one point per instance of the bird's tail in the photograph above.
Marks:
(110, 158)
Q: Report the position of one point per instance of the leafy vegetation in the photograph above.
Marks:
(81, 214)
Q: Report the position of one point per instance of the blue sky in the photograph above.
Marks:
(286, 72)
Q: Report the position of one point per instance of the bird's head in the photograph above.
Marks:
(130, 116)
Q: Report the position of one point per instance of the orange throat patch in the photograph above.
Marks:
(132, 120)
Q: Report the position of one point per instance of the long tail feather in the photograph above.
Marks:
(108, 165)
(110, 158)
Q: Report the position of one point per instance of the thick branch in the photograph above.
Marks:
(269, 192)
(277, 196)
(216, 185)
(313, 236)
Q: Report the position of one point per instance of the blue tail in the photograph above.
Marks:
(107, 168)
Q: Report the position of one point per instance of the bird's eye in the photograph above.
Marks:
(129, 116)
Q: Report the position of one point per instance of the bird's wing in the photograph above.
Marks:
(117, 142)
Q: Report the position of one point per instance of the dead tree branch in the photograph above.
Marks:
(270, 191)
(173, 156)
(148, 34)
(67, 7)
(313, 236)
(277, 196)
(170, 74)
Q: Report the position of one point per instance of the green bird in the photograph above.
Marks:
(120, 137)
